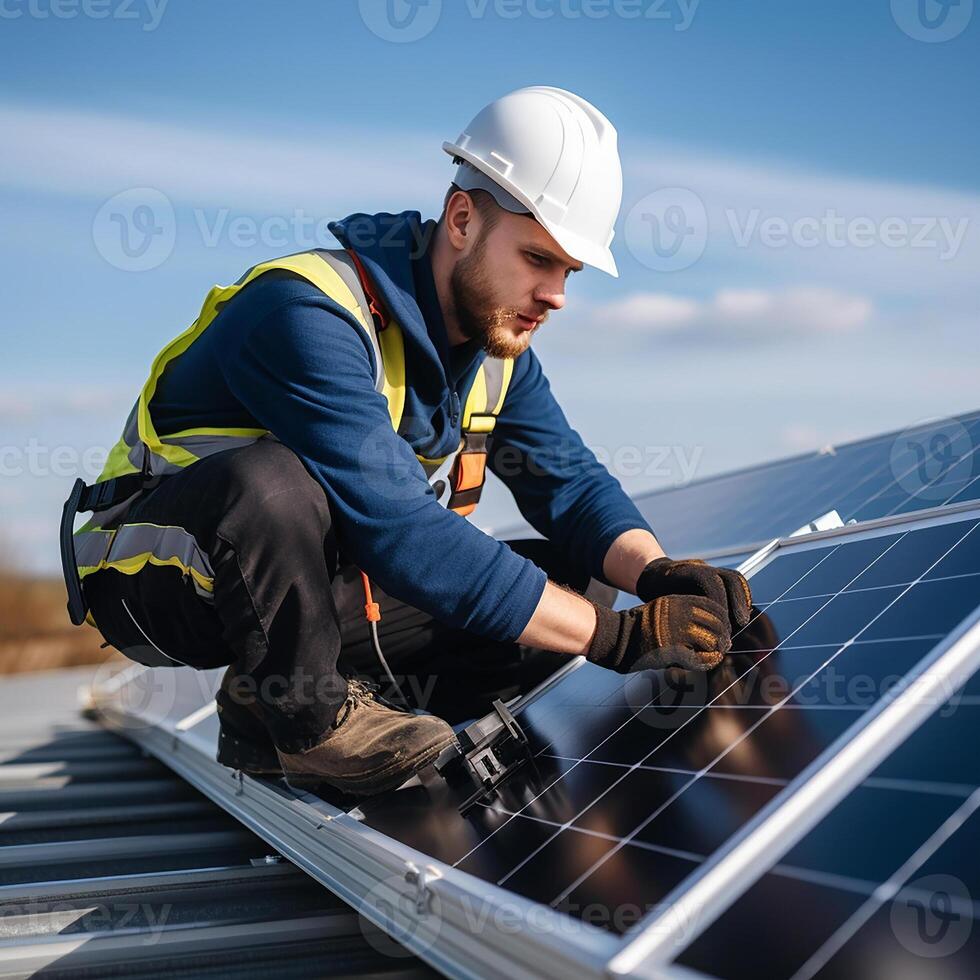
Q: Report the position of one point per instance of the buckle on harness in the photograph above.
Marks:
(98, 496)
(77, 606)
(488, 752)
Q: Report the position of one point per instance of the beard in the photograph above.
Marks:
(479, 318)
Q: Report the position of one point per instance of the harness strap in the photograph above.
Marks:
(374, 305)
(108, 493)
(468, 474)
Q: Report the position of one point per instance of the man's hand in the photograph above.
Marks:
(664, 577)
(673, 631)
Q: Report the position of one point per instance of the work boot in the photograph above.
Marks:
(243, 740)
(369, 748)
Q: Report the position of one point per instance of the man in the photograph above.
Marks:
(326, 423)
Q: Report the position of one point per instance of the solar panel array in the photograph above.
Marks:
(637, 780)
(887, 884)
(926, 466)
(635, 783)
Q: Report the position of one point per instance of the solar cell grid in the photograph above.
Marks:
(888, 881)
(897, 473)
(637, 780)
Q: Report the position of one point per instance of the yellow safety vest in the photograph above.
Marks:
(107, 542)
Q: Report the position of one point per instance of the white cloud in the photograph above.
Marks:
(88, 154)
(743, 302)
(810, 309)
(738, 313)
(21, 402)
(653, 311)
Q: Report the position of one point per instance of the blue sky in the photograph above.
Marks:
(823, 157)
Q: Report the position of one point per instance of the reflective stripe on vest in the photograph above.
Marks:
(339, 275)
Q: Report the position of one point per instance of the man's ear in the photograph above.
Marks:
(458, 215)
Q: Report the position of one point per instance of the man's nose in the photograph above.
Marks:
(553, 296)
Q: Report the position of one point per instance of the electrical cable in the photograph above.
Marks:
(372, 611)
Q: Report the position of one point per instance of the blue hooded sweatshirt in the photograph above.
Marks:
(284, 357)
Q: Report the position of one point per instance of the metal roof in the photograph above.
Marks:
(111, 865)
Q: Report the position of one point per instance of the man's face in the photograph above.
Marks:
(504, 288)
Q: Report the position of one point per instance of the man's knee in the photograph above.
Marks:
(270, 487)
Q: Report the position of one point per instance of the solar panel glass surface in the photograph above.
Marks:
(636, 780)
(896, 473)
(887, 884)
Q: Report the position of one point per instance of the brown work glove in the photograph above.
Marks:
(673, 631)
(691, 576)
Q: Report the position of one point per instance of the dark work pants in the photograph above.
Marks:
(288, 610)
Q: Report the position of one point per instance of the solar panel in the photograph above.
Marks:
(636, 781)
(929, 465)
(897, 473)
(887, 883)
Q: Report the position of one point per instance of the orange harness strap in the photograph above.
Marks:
(374, 304)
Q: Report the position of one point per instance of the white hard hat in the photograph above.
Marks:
(552, 154)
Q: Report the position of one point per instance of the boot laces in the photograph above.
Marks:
(358, 692)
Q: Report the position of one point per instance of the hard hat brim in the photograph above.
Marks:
(599, 257)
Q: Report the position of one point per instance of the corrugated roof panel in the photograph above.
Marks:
(112, 866)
